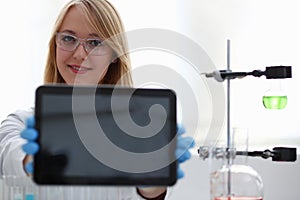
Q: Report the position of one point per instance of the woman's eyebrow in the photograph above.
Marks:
(94, 35)
(68, 31)
(74, 33)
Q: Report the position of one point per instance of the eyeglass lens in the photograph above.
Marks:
(93, 46)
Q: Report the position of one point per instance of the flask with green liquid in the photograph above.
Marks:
(275, 97)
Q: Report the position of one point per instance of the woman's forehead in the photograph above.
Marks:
(76, 22)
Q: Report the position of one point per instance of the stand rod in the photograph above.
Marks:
(229, 142)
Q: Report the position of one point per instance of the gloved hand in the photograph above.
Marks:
(30, 147)
(182, 150)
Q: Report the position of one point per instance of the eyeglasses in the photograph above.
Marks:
(92, 46)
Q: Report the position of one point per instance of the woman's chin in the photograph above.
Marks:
(83, 83)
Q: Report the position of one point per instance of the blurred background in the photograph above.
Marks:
(262, 33)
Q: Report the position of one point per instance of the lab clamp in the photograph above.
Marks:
(227, 181)
(274, 72)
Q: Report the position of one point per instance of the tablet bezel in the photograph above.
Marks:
(39, 173)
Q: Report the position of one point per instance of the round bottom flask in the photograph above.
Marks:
(231, 177)
(275, 97)
(236, 182)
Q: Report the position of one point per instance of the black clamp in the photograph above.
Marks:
(273, 72)
(283, 154)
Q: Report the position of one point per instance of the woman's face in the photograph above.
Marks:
(89, 61)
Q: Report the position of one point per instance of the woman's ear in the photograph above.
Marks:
(115, 60)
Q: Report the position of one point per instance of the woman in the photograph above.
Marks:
(77, 56)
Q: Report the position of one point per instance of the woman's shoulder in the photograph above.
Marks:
(19, 115)
(26, 113)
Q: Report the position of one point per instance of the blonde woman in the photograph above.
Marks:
(77, 56)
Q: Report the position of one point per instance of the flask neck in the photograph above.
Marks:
(275, 88)
(239, 144)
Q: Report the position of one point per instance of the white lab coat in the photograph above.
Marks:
(11, 157)
(11, 154)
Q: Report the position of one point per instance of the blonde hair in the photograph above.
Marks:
(103, 18)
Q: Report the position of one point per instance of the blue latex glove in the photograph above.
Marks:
(30, 147)
(182, 150)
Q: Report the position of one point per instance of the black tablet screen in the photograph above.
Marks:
(105, 135)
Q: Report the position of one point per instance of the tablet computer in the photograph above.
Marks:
(105, 136)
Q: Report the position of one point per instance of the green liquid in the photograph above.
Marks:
(275, 102)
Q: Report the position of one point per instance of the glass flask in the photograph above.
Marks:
(231, 178)
(18, 188)
(23, 188)
(275, 97)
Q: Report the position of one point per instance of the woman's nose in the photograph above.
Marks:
(80, 52)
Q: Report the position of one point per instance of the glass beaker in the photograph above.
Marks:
(231, 178)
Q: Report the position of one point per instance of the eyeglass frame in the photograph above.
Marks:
(79, 41)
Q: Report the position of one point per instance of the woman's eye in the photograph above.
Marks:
(68, 38)
(95, 43)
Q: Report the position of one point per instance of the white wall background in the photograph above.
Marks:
(25, 32)
(262, 33)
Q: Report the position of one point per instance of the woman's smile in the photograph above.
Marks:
(77, 69)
